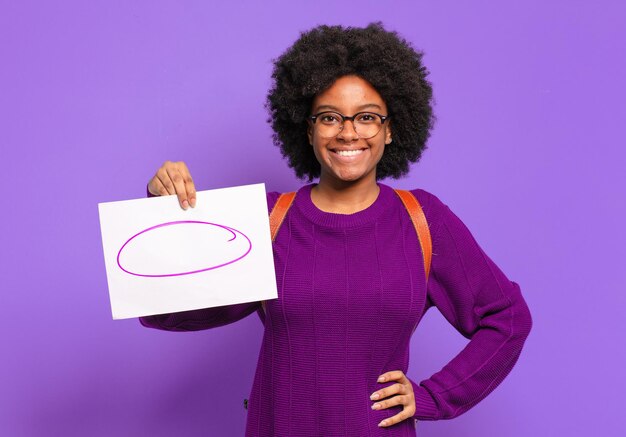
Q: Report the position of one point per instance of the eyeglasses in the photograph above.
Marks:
(366, 124)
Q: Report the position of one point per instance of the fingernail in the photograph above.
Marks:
(381, 379)
(374, 396)
(192, 201)
(375, 406)
(383, 423)
(185, 204)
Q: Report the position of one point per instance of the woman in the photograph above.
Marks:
(352, 106)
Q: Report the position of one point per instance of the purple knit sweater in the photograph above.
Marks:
(351, 291)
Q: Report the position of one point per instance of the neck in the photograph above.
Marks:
(344, 197)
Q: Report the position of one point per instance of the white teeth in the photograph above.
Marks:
(349, 152)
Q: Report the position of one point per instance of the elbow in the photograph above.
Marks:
(509, 315)
(523, 321)
(526, 322)
(145, 322)
(151, 322)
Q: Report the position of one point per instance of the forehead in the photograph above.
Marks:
(349, 93)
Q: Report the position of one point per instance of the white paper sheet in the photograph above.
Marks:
(160, 258)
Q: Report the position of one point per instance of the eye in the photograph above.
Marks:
(367, 117)
(329, 118)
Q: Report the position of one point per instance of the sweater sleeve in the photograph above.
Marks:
(196, 320)
(475, 296)
(207, 318)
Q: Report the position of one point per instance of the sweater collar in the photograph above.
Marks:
(370, 214)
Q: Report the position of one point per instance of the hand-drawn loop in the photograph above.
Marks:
(233, 231)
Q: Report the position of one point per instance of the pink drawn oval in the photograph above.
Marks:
(233, 231)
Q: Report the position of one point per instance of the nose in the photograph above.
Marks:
(348, 133)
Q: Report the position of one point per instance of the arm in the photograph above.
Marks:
(475, 296)
(205, 318)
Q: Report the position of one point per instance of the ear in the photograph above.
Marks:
(388, 132)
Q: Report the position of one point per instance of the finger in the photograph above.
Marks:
(191, 187)
(393, 375)
(390, 402)
(166, 181)
(179, 186)
(402, 415)
(156, 187)
(388, 391)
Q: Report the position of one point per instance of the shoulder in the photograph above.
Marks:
(272, 198)
(445, 225)
(434, 208)
(430, 203)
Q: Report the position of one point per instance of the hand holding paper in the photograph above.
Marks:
(174, 178)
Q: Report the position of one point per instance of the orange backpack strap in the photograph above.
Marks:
(279, 211)
(420, 224)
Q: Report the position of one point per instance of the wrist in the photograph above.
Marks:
(425, 405)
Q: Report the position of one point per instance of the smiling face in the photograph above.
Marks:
(346, 157)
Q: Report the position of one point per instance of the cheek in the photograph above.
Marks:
(319, 150)
(379, 155)
(379, 147)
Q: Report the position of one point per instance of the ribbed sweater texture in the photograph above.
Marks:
(351, 292)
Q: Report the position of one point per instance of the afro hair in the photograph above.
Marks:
(325, 53)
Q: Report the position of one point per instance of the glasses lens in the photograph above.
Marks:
(328, 124)
(367, 124)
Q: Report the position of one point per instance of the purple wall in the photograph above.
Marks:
(528, 151)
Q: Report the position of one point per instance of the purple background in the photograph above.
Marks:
(528, 151)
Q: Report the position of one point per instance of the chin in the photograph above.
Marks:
(350, 176)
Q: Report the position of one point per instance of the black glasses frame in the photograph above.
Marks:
(314, 117)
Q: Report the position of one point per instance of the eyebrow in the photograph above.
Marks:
(334, 108)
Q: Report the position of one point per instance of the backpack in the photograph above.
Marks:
(413, 207)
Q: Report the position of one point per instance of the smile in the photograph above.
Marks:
(348, 152)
